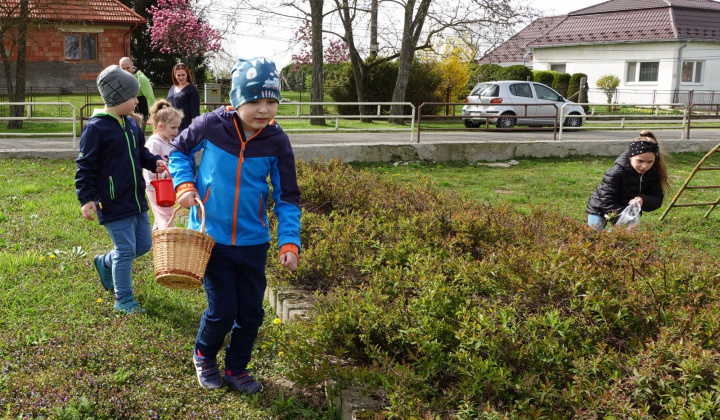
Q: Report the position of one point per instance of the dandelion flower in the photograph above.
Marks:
(277, 321)
(281, 353)
(99, 300)
(51, 256)
(42, 258)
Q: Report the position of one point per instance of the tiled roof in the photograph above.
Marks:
(74, 11)
(622, 5)
(633, 20)
(514, 49)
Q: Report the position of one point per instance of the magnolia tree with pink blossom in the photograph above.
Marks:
(335, 52)
(176, 28)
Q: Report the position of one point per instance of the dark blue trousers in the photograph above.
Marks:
(235, 287)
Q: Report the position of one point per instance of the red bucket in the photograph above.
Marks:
(164, 191)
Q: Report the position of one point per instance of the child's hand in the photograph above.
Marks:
(289, 260)
(160, 164)
(89, 210)
(187, 200)
(637, 199)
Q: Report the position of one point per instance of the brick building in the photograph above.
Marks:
(68, 46)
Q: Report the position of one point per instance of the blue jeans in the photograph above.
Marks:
(235, 287)
(596, 222)
(132, 237)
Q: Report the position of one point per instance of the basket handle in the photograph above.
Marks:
(202, 210)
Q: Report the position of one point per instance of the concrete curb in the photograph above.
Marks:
(292, 305)
(483, 151)
(479, 151)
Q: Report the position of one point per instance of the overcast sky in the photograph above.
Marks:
(275, 39)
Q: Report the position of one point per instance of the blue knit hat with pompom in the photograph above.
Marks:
(254, 79)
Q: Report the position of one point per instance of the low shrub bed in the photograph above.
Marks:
(459, 309)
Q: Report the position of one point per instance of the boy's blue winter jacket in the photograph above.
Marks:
(232, 179)
(109, 167)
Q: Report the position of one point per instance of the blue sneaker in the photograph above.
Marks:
(208, 373)
(127, 304)
(244, 382)
(105, 273)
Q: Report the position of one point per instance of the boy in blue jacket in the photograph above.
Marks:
(241, 146)
(109, 182)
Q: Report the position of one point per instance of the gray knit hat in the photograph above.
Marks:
(116, 85)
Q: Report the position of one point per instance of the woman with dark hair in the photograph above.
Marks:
(184, 95)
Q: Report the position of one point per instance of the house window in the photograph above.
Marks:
(80, 46)
(643, 71)
(560, 68)
(692, 72)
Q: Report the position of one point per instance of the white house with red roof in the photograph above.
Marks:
(650, 45)
(69, 44)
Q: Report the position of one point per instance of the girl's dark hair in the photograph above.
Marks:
(162, 112)
(184, 67)
(660, 167)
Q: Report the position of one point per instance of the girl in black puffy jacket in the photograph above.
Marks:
(639, 174)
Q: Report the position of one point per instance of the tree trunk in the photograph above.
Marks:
(316, 90)
(18, 94)
(355, 60)
(411, 33)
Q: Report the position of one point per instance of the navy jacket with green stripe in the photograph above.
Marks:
(109, 167)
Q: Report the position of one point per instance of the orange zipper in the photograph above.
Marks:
(260, 212)
(241, 159)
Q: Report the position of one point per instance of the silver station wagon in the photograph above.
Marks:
(533, 104)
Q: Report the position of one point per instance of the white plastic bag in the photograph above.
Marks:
(630, 216)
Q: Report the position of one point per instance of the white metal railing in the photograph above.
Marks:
(30, 118)
(622, 118)
(337, 117)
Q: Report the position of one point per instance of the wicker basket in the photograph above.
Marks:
(181, 255)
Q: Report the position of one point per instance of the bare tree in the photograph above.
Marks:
(305, 10)
(424, 20)
(474, 22)
(14, 23)
(16, 18)
(316, 89)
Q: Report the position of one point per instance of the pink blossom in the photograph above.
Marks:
(336, 52)
(177, 29)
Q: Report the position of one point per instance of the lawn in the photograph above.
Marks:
(67, 354)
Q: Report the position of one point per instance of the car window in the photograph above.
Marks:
(490, 90)
(521, 89)
(476, 90)
(544, 92)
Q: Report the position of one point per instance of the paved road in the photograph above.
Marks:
(333, 138)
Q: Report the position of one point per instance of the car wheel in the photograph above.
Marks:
(505, 122)
(470, 124)
(573, 122)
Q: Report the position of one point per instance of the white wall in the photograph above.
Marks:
(602, 59)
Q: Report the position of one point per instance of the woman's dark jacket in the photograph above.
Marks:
(622, 183)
